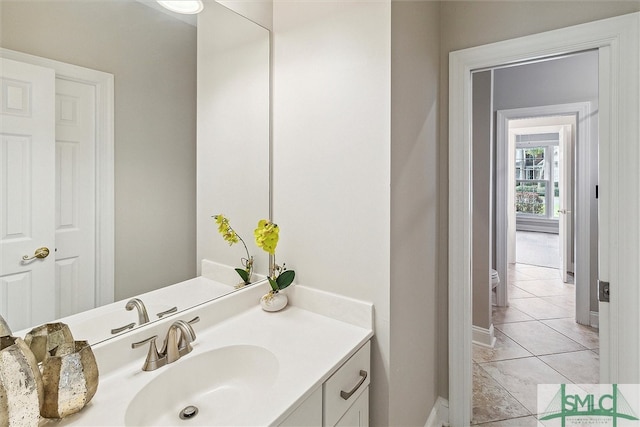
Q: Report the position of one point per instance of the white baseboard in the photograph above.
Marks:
(483, 337)
(594, 319)
(439, 415)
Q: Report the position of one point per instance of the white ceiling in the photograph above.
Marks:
(189, 19)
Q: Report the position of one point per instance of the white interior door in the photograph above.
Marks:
(27, 184)
(75, 197)
(565, 194)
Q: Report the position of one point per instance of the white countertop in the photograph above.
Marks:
(308, 348)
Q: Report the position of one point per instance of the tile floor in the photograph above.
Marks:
(538, 342)
(538, 249)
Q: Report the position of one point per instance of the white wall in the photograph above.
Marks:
(355, 131)
(258, 11)
(414, 251)
(233, 134)
(331, 154)
(563, 81)
(153, 59)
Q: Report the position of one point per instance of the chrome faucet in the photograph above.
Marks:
(143, 316)
(177, 343)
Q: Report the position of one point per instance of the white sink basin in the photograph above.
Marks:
(222, 383)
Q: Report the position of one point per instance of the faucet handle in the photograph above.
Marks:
(173, 309)
(122, 328)
(154, 359)
(187, 336)
(184, 344)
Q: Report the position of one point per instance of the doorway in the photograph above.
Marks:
(575, 215)
(615, 38)
(74, 218)
(537, 339)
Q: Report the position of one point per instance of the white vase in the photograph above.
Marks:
(274, 302)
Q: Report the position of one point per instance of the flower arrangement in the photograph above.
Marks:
(230, 235)
(267, 236)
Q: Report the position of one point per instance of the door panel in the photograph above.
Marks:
(75, 196)
(27, 178)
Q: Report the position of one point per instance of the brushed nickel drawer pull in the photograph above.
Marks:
(347, 394)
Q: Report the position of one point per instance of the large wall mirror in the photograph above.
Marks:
(190, 134)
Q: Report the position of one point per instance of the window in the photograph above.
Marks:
(537, 172)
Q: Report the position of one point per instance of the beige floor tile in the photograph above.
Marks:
(540, 309)
(581, 367)
(537, 271)
(515, 275)
(508, 314)
(529, 421)
(539, 338)
(491, 402)
(536, 292)
(545, 287)
(520, 377)
(516, 292)
(585, 335)
(567, 302)
(505, 348)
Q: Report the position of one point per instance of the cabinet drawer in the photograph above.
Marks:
(344, 386)
(358, 414)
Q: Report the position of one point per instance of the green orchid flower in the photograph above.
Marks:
(229, 235)
(267, 235)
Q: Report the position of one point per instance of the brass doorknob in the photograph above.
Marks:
(42, 252)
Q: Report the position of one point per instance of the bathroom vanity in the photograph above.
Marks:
(331, 404)
(308, 364)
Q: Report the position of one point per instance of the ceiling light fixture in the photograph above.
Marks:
(189, 7)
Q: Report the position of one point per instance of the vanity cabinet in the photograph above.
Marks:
(342, 400)
(344, 387)
(358, 413)
(308, 413)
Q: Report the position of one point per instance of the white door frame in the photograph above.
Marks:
(582, 214)
(619, 240)
(104, 86)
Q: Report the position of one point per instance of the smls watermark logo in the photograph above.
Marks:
(562, 405)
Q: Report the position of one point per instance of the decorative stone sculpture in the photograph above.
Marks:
(44, 338)
(70, 378)
(4, 328)
(21, 391)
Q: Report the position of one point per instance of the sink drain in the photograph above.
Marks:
(188, 412)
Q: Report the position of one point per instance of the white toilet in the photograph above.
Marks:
(495, 280)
